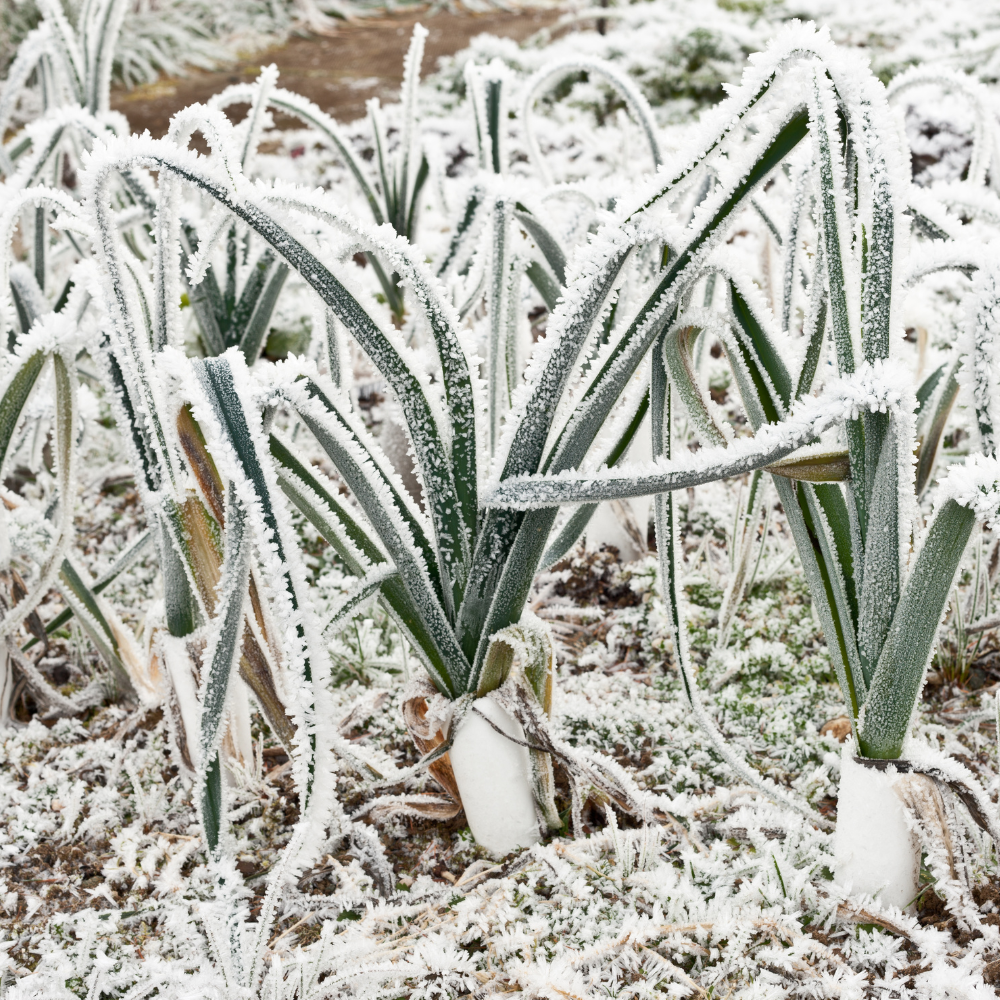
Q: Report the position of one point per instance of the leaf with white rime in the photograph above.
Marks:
(225, 632)
(910, 638)
(407, 182)
(881, 574)
(841, 400)
(982, 355)
(668, 544)
(577, 523)
(82, 602)
(65, 455)
(986, 135)
(554, 72)
(121, 563)
(455, 524)
(354, 601)
(10, 214)
(398, 526)
(705, 230)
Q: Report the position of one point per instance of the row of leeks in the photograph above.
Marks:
(220, 480)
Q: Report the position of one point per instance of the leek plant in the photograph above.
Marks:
(217, 476)
(879, 582)
(72, 67)
(850, 505)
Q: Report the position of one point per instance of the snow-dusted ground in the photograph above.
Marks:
(106, 880)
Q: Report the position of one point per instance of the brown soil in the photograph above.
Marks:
(595, 579)
(338, 72)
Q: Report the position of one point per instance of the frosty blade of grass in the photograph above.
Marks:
(399, 531)
(411, 79)
(455, 370)
(555, 255)
(677, 344)
(65, 451)
(814, 329)
(249, 297)
(330, 518)
(255, 121)
(16, 395)
(252, 339)
(771, 443)
(318, 503)
(546, 285)
(500, 292)
(312, 116)
(81, 604)
(463, 230)
(579, 431)
(936, 421)
(356, 598)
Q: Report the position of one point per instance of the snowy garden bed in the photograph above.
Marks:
(168, 833)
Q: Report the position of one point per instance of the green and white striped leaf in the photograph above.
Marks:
(253, 335)
(444, 480)
(15, 397)
(459, 249)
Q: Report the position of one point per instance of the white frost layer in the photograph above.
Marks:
(493, 776)
(975, 484)
(874, 851)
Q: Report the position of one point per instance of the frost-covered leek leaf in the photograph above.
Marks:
(354, 545)
(226, 630)
(81, 601)
(88, 594)
(398, 526)
(16, 395)
(911, 634)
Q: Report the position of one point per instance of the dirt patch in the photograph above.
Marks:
(596, 579)
(340, 72)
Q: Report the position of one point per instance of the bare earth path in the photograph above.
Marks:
(339, 72)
